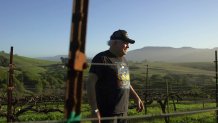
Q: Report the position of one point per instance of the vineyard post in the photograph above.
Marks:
(76, 61)
(146, 79)
(146, 90)
(167, 89)
(10, 88)
(216, 86)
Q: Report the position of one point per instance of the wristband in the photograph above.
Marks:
(96, 111)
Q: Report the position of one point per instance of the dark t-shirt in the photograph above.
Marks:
(112, 87)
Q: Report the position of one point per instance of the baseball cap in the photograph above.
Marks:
(121, 35)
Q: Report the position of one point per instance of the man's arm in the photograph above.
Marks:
(138, 101)
(92, 79)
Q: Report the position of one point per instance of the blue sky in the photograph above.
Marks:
(38, 28)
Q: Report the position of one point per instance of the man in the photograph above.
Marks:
(108, 83)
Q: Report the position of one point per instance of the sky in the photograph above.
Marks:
(41, 28)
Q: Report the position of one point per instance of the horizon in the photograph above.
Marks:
(42, 28)
(14, 51)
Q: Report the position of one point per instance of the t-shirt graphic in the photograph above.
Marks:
(123, 75)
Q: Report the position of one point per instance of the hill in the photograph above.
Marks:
(170, 54)
(164, 54)
(42, 76)
(32, 74)
(53, 58)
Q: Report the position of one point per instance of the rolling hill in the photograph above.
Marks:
(40, 76)
(170, 54)
(31, 74)
(164, 54)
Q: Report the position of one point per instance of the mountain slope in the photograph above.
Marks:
(28, 72)
(169, 54)
(53, 58)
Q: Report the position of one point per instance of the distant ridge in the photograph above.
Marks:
(170, 54)
(164, 54)
(53, 58)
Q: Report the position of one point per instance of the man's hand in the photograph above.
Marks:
(140, 105)
(96, 114)
(138, 101)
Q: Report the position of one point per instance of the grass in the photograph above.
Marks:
(29, 64)
(154, 109)
(181, 68)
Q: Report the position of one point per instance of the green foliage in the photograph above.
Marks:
(3, 77)
(199, 65)
(41, 117)
(29, 74)
(154, 109)
(20, 90)
(3, 61)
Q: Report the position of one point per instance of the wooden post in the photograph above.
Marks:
(10, 88)
(146, 90)
(76, 62)
(216, 85)
(146, 79)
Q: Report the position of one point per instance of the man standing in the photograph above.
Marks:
(108, 83)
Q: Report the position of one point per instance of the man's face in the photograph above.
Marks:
(122, 47)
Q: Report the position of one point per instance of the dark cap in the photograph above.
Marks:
(121, 35)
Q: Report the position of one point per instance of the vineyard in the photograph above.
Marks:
(172, 92)
(33, 90)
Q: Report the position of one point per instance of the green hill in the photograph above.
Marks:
(34, 76)
(170, 54)
(195, 77)
(31, 75)
(195, 68)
